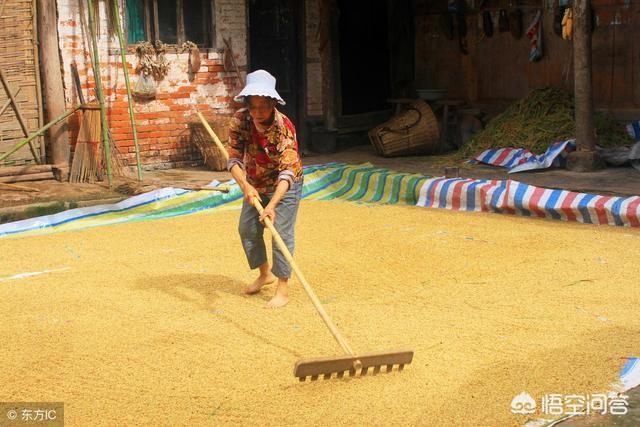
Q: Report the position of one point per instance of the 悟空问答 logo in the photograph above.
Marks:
(523, 404)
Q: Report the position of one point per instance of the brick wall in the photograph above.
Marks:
(162, 123)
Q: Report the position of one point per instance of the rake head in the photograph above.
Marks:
(361, 364)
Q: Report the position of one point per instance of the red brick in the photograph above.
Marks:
(179, 95)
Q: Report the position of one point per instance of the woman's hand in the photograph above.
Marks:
(269, 212)
(250, 192)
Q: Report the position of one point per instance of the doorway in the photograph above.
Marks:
(274, 34)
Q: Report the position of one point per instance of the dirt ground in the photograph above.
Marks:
(145, 323)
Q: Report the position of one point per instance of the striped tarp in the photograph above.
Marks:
(360, 183)
(633, 129)
(630, 375)
(364, 184)
(520, 159)
(513, 197)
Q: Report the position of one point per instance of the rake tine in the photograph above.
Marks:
(400, 367)
(362, 364)
(302, 379)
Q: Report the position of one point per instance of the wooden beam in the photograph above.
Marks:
(30, 177)
(24, 170)
(53, 90)
(582, 80)
(585, 158)
(180, 16)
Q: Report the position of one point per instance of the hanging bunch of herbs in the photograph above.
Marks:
(151, 60)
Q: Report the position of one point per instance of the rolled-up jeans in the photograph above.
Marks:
(251, 230)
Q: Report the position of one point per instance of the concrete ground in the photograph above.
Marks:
(55, 196)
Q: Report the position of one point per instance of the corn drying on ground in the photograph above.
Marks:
(145, 323)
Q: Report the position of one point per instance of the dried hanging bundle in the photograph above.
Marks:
(194, 56)
(151, 60)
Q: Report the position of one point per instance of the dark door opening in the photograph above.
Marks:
(364, 56)
(273, 46)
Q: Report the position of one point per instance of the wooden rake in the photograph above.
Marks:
(327, 366)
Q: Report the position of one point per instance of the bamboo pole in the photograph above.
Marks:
(19, 116)
(36, 59)
(116, 14)
(96, 76)
(17, 187)
(8, 103)
(39, 132)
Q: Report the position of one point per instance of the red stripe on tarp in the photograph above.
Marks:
(505, 206)
(455, 198)
(600, 210)
(432, 193)
(484, 190)
(566, 206)
(505, 153)
(535, 200)
(632, 213)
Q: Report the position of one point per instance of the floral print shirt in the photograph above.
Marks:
(265, 157)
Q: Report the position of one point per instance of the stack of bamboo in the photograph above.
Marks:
(87, 156)
(26, 173)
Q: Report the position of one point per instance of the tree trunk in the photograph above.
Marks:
(53, 90)
(585, 158)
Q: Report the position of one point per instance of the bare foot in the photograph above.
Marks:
(280, 299)
(259, 283)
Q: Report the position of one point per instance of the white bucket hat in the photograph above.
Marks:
(260, 83)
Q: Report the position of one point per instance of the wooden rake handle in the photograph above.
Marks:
(307, 287)
(283, 248)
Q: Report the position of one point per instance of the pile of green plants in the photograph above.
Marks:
(535, 122)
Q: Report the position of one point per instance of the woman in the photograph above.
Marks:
(264, 161)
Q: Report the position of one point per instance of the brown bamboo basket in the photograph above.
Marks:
(212, 157)
(413, 131)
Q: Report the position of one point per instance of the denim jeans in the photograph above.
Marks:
(251, 230)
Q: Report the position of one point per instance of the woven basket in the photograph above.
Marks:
(211, 155)
(413, 131)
